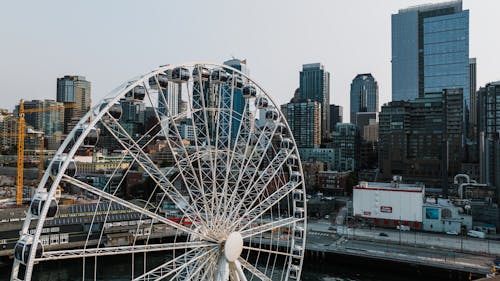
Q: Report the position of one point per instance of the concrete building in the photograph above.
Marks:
(311, 170)
(488, 112)
(345, 142)
(304, 119)
(74, 91)
(422, 139)
(100, 163)
(442, 216)
(47, 121)
(324, 155)
(315, 85)
(364, 95)
(370, 131)
(364, 119)
(332, 182)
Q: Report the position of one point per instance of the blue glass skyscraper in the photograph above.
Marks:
(364, 95)
(238, 100)
(430, 50)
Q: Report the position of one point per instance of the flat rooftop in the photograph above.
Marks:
(389, 186)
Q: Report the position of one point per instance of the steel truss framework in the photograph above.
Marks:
(236, 183)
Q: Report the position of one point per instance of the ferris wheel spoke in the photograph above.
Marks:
(133, 207)
(273, 252)
(187, 172)
(152, 170)
(234, 162)
(106, 251)
(193, 271)
(238, 270)
(199, 124)
(269, 226)
(175, 265)
(254, 190)
(262, 207)
(243, 175)
(252, 269)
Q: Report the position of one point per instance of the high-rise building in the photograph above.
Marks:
(345, 142)
(169, 98)
(74, 91)
(488, 109)
(364, 95)
(47, 121)
(364, 119)
(430, 50)
(315, 85)
(473, 98)
(238, 100)
(422, 139)
(304, 119)
(336, 115)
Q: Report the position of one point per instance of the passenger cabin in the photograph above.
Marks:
(178, 74)
(158, 81)
(200, 72)
(262, 103)
(38, 203)
(23, 248)
(238, 81)
(249, 91)
(272, 115)
(219, 76)
(136, 94)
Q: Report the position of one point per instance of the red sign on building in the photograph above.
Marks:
(386, 209)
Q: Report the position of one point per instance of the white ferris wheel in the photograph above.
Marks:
(223, 195)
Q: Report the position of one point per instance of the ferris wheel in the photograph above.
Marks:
(210, 188)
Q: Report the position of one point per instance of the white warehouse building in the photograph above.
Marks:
(389, 204)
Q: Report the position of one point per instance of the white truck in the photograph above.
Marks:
(476, 234)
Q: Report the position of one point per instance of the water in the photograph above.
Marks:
(117, 268)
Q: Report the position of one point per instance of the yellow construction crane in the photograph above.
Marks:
(21, 134)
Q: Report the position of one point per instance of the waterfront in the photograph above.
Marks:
(334, 268)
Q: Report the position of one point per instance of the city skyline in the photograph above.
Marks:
(105, 49)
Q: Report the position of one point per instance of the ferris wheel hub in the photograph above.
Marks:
(233, 246)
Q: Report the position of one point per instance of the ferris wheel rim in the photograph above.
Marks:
(98, 112)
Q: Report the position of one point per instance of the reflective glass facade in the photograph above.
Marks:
(405, 77)
(364, 95)
(430, 50)
(446, 53)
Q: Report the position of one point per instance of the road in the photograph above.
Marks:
(434, 250)
(416, 239)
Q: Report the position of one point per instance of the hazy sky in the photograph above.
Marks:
(112, 41)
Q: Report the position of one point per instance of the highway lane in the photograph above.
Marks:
(416, 239)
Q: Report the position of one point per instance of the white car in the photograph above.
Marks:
(451, 232)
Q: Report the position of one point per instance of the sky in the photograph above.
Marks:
(111, 41)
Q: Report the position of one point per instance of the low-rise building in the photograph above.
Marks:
(389, 204)
(332, 182)
(442, 216)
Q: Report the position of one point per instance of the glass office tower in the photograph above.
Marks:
(315, 85)
(430, 50)
(364, 95)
